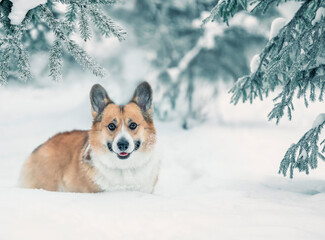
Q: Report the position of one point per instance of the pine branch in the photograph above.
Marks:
(106, 25)
(83, 59)
(294, 61)
(307, 80)
(84, 24)
(304, 155)
(5, 8)
(225, 9)
(22, 58)
(73, 48)
(104, 2)
(77, 10)
(246, 88)
(265, 4)
(71, 14)
(56, 61)
(288, 60)
(4, 66)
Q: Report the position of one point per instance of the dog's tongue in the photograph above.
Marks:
(123, 154)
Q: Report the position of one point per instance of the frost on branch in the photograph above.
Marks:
(225, 9)
(304, 155)
(20, 9)
(293, 61)
(18, 17)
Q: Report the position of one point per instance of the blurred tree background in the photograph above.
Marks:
(166, 43)
(190, 59)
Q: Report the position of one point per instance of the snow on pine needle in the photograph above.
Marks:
(20, 17)
(20, 8)
(276, 26)
(305, 153)
(293, 61)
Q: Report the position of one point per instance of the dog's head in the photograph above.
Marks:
(122, 132)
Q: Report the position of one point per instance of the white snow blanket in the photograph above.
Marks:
(216, 181)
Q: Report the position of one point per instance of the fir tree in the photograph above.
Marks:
(16, 41)
(293, 61)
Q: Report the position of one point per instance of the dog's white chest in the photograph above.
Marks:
(137, 175)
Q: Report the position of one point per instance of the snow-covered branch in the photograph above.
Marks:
(19, 16)
(293, 57)
(294, 62)
(305, 153)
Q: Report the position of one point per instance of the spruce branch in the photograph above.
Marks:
(72, 47)
(5, 8)
(246, 88)
(22, 58)
(294, 62)
(4, 66)
(294, 56)
(83, 59)
(106, 25)
(103, 2)
(56, 61)
(305, 153)
(45, 15)
(84, 27)
(71, 14)
(225, 9)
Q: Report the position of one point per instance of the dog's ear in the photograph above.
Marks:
(99, 99)
(143, 97)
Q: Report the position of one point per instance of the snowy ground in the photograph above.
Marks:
(218, 181)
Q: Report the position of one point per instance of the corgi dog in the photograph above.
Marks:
(116, 154)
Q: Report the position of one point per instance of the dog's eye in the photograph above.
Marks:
(111, 126)
(133, 125)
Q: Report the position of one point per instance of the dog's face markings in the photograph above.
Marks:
(125, 129)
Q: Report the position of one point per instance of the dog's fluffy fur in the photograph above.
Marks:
(96, 160)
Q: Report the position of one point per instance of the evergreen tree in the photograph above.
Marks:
(17, 40)
(294, 61)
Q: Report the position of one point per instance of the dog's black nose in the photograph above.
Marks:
(123, 144)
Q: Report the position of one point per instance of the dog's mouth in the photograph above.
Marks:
(123, 155)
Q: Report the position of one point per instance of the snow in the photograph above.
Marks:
(249, 22)
(319, 120)
(276, 26)
(303, 154)
(319, 14)
(217, 181)
(20, 9)
(255, 62)
(288, 9)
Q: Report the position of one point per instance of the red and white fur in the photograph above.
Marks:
(118, 153)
